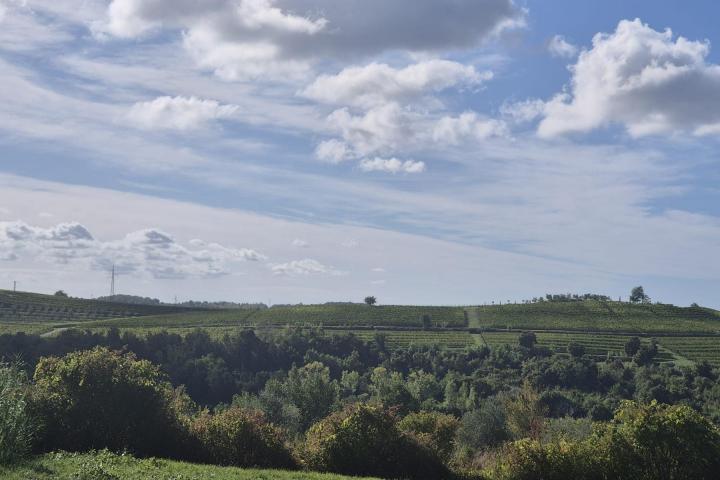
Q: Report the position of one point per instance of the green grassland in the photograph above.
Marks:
(107, 466)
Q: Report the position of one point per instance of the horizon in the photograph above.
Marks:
(303, 151)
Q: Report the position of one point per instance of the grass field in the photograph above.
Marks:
(107, 466)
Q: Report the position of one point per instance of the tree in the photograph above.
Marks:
(527, 339)
(637, 295)
(370, 300)
(426, 322)
(525, 413)
(484, 427)
(99, 399)
(61, 293)
(632, 346)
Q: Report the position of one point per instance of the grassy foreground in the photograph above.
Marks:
(108, 466)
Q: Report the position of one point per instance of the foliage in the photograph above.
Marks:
(435, 431)
(241, 438)
(637, 295)
(103, 399)
(17, 426)
(527, 339)
(525, 413)
(483, 428)
(632, 346)
(370, 300)
(364, 440)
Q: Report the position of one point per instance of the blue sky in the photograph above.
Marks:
(313, 150)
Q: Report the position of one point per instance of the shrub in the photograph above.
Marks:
(483, 428)
(527, 339)
(364, 440)
(528, 459)
(672, 442)
(17, 426)
(435, 431)
(100, 399)
(241, 438)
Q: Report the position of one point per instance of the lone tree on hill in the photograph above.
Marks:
(637, 295)
(61, 293)
(370, 300)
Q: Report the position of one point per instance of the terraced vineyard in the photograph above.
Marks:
(350, 315)
(684, 334)
(696, 349)
(33, 308)
(395, 339)
(597, 316)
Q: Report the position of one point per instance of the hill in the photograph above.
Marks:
(25, 307)
(107, 466)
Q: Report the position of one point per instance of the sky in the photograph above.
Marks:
(455, 152)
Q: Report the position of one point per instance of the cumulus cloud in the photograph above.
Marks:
(333, 151)
(299, 243)
(178, 113)
(391, 165)
(559, 47)
(148, 252)
(377, 83)
(246, 38)
(305, 266)
(643, 79)
(523, 111)
(468, 125)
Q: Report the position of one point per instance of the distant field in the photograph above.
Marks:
(601, 327)
(327, 315)
(103, 465)
(32, 308)
(596, 316)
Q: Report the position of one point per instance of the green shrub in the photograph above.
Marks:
(528, 459)
(435, 431)
(483, 428)
(364, 440)
(241, 438)
(17, 426)
(100, 399)
(652, 441)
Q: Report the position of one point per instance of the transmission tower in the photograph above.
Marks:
(112, 281)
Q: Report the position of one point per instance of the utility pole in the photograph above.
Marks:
(14, 285)
(112, 281)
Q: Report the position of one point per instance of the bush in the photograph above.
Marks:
(364, 440)
(241, 438)
(483, 428)
(100, 399)
(435, 431)
(652, 441)
(532, 460)
(17, 426)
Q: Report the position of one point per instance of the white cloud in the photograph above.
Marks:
(377, 83)
(248, 38)
(306, 266)
(299, 243)
(178, 113)
(468, 125)
(523, 111)
(148, 252)
(391, 165)
(332, 151)
(642, 79)
(378, 270)
(559, 47)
